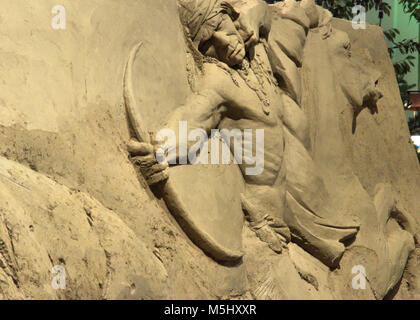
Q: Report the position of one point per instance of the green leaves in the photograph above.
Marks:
(339, 8)
(405, 46)
(412, 7)
(343, 8)
(391, 34)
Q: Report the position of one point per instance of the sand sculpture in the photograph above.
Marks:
(241, 65)
(297, 203)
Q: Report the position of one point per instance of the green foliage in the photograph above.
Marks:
(412, 7)
(343, 8)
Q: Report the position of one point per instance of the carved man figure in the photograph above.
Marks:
(235, 89)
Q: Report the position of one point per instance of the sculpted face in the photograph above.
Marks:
(226, 44)
(358, 78)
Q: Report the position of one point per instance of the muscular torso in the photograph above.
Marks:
(243, 109)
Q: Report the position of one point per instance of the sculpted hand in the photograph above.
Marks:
(247, 32)
(143, 156)
(272, 231)
(254, 22)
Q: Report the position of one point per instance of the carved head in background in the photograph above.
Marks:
(211, 27)
(358, 77)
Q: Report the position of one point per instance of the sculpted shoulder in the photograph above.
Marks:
(216, 78)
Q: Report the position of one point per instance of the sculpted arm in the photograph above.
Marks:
(254, 21)
(203, 110)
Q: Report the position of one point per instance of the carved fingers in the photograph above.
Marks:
(280, 227)
(143, 157)
(274, 240)
(137, 148)
(249, 36)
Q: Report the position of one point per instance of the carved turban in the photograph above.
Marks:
(202, 17)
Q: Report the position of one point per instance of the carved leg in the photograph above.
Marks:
(263, 208)
(314, 224)
(395, 226)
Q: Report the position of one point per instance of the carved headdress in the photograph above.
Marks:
(202, 17)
